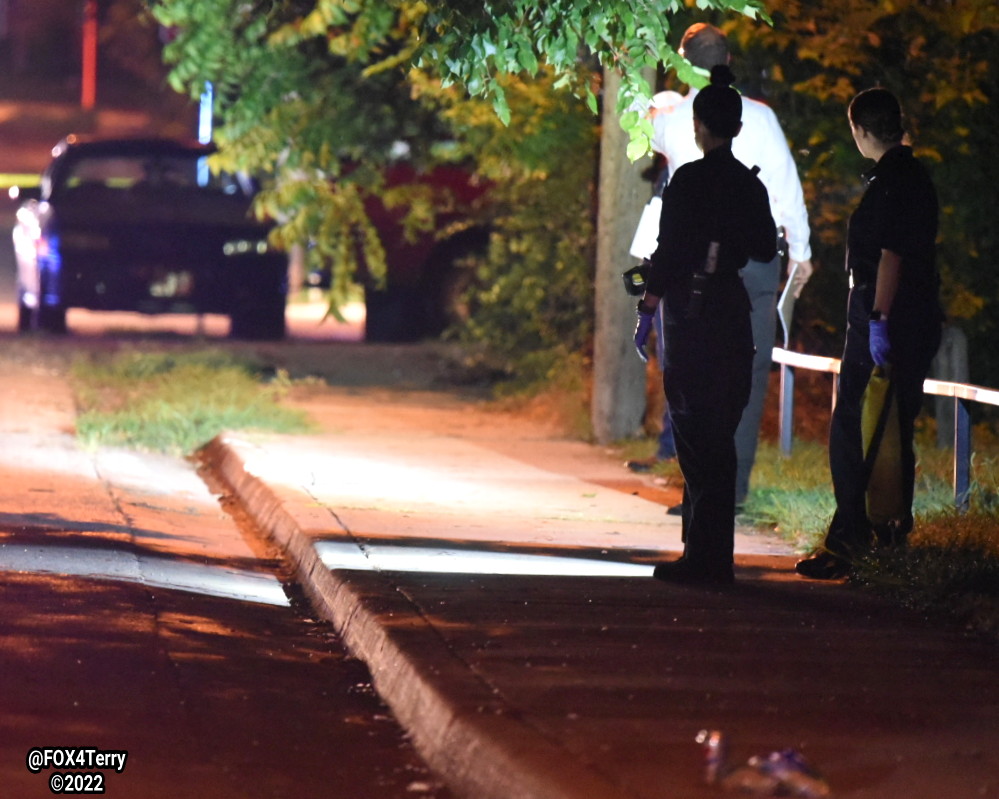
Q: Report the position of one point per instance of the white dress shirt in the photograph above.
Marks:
(761, 143)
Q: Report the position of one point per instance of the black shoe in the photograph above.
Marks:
(645, 465)
(675, 510)
(683, 571)
(823, 565)
(893, 534)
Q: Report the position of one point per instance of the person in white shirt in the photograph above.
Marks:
(761, 143)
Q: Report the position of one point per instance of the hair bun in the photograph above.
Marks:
(719, 106)
(721, 75)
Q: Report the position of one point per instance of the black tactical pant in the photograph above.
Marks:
(707, 379)
(914, 338)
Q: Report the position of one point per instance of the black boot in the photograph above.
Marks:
(823, 565)
(685, 571)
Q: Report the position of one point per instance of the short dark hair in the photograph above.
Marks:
(878, 112)
(719, 106)
(704, 45)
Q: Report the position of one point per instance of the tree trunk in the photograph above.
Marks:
(618, 402)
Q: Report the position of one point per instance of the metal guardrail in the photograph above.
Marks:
(962, 393)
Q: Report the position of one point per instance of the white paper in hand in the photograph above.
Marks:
(785, 305)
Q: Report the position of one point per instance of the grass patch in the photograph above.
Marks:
(176, 402)
(951, 569)
(791, 495)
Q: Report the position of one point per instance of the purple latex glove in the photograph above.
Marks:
(880, 347)
(642, 333)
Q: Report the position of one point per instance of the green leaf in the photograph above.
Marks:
(526, 57)
(639, 146)
(500, 104)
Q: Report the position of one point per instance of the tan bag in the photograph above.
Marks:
(882, 449)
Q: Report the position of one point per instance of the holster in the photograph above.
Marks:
(701, 282)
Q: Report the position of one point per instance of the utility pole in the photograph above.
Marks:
(88, 82)
(618, 402)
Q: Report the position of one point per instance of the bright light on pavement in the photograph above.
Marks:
(123, 566)
(441, 560)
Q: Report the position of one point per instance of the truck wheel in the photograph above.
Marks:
(425, 310)
(261, 322)
(392, 316)
(25, 317)
(52, 319)
(447, 278)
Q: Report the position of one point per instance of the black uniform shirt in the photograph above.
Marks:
(898, 212)
(716, 198)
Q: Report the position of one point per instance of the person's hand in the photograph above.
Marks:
(880, 348)
(805, 270)
(642, 332)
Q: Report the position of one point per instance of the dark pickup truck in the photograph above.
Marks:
(143, 225)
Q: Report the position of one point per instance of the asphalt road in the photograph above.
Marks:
(136, 616)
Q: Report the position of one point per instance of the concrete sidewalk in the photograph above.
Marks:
(498, 587)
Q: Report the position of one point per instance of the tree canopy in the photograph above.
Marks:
(306, 87)
(938, 58)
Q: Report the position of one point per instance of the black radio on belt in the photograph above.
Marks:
(636, 278)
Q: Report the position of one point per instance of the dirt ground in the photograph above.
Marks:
(429, 386)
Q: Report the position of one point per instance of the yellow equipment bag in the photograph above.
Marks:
(882, 449)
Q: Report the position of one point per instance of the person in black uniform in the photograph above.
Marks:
(715, 216)
(894, 318)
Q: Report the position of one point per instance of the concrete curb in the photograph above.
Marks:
(464, 731)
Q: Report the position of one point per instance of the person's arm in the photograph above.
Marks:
(791, 205)
(670, 238)
(761, 232)
(889, 269)
(805, 270)
(643, 326)
(779, 174)
(649, 303)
